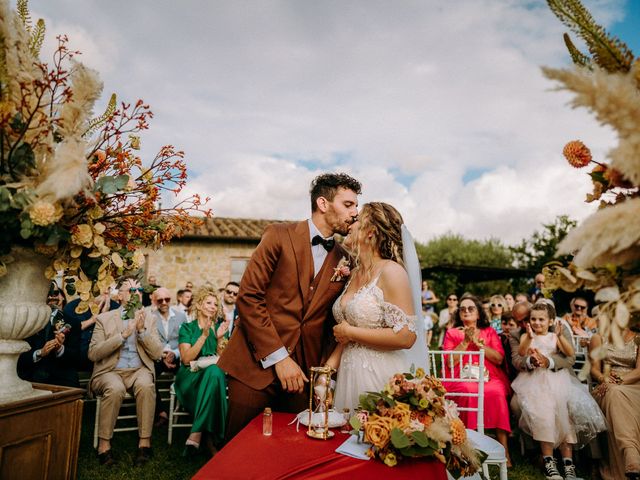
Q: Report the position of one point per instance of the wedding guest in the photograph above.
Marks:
(445, 319)
(149, 288)
(124, 346)
(85, 323)
(229, 297)
(202, 392)
(510, 301)
(429, 299)
(536, 291)
(168, 322)
(472, 332)
(183, 303)
(556, 410)
(486, 307)
(553, 361)
(53, 356)
(496, 309)
(618, 394)
(508, 324)
(581, 324)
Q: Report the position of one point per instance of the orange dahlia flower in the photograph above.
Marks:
(577, 154)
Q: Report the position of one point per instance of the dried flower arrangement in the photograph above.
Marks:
(71, 186)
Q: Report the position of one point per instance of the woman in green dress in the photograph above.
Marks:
(203, 392)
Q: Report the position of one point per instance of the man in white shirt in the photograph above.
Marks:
(183, 298)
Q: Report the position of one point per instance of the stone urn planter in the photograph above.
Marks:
(23, 312)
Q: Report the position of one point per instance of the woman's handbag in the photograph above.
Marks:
(473, 371)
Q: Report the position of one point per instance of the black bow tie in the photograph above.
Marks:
(327, 243)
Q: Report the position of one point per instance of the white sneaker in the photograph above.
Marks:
(570, 472)
(551, 470)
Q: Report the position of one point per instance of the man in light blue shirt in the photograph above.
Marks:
(123, 350)
(168, 322)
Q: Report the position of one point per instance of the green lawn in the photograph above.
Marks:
(168, 462)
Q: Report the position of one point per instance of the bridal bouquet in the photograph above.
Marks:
(412, 418)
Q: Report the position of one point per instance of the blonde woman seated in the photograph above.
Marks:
(202, 392)
(618, 394)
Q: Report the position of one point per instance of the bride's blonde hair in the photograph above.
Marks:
(384, 223)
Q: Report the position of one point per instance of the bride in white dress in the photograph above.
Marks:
(375, 314)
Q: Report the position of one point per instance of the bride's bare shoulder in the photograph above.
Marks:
(393, 276)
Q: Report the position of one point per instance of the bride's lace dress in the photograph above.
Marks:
(364, 369)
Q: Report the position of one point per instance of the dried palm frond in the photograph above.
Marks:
(37, 38)
(23, 13)
(607, 50)
(577, 56)
(96, 123)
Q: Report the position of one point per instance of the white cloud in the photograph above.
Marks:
(262, 96)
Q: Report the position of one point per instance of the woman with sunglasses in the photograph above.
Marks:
(202, 392)
(472, 332)
(497, 307)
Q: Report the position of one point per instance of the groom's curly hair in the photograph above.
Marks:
(327, 184)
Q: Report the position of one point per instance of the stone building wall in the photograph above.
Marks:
(198, 262)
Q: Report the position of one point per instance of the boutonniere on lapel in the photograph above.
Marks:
(342, 270)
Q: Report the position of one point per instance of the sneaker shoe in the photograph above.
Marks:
(570, 472)
(551, 470)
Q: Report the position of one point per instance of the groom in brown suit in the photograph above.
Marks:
(284, 305)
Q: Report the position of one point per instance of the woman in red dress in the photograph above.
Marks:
(472, 332)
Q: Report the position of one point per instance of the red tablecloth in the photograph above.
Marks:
(288, 454)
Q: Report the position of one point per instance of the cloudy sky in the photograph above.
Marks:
(437, 106)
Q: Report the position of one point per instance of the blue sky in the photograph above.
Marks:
(438, 107)
(628, 28)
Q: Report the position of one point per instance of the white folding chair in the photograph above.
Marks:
(581, 352)
(441, 366)
(175, 413)
(127, 402)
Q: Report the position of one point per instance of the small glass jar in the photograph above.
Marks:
(346, 428)
(267, 422)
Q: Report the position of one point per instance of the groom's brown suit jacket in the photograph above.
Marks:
(281, 304)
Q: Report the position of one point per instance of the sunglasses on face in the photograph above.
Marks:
(496, 305)
(453, 299)
(229, 292)
(163, 300)
(469, 309)
(136, 289)
(580, 307)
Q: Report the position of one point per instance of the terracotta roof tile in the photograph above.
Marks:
(222, 228)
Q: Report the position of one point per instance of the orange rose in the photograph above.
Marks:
(402, 414)
(377, 430)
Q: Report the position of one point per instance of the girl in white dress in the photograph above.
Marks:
(375, 312)
(557, 410)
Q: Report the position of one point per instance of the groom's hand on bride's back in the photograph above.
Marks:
(290, 375)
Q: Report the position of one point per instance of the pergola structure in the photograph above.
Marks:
(473, 273)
